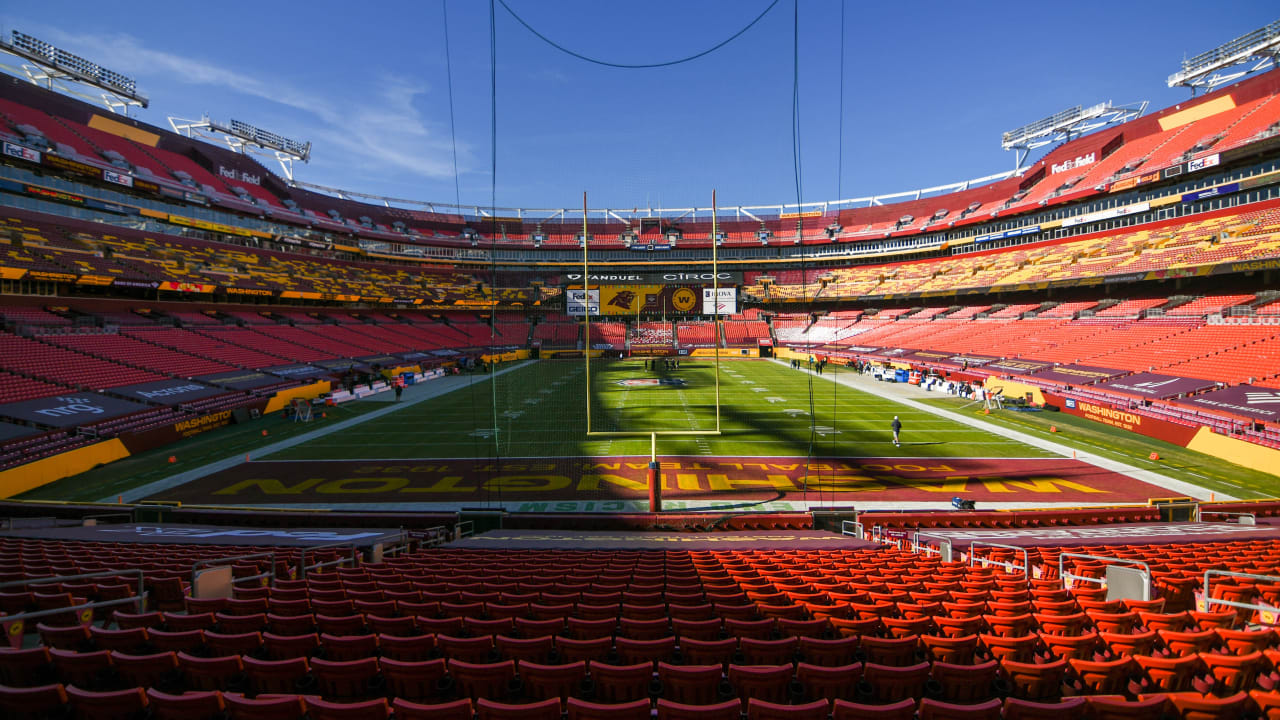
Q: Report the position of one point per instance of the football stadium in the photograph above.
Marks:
(1002, 448)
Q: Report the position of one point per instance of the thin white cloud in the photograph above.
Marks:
(381, 131)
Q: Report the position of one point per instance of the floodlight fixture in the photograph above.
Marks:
(54, 66)
(1066, 125)
(1225, 63)
(245, 138)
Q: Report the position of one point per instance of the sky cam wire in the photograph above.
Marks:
(637, 66)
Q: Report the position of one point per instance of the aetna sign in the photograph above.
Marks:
(1079, 162)
(241, 175)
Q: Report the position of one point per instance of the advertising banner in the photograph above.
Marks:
(674, 277)
(168, 392)
(1018, 367)
(581, 302)
(165, 434)
(240, 379)
(296, 371)
(70, 410)
(118, 178)
(1125, 419)
(184, 287)
(625, 299)
(21, 152)
(1156, 387)
(631, 300)
(720, 301)
(1258, 403)
(1078, 374)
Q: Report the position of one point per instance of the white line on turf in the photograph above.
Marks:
(413, 395)
(899, 395)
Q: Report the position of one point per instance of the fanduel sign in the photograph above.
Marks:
(656, 278)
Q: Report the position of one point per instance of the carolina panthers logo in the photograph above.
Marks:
(623, 300)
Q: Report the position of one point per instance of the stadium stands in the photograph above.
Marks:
(828, 631)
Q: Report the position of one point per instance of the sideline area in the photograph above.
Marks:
(413, 394)
(905, 394)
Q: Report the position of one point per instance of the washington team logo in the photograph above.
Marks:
(684, 299)
(623, 300)
(653, 382)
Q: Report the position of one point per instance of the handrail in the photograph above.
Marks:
(1210, 601)
(944, 550)
(1063, 574)
(401, 545)
(466, 528)
(432, 536)
(212, 562)
(1245, 518)
(1008, 566)
(858, 530)
(303, 567)
(104, 516)
(354, 548)
(139, 600)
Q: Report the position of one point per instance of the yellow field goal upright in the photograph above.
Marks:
(655, 484)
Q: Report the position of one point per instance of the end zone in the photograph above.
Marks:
(584, 484)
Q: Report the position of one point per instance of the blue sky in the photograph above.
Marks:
(929, 87)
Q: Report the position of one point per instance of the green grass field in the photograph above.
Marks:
(539, 409)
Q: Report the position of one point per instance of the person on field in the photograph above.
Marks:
(896, 425)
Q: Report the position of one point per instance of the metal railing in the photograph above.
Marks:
(1242, 518)
(853, 527)
(400, 545)
(466, 528)
(1063, 575)
(139, 601)
(1210, 601)
(944, 549)
(122, 516)
(1009, 567)
(217, 562)
(432, 536)
(350, 559)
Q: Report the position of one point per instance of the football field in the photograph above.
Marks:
(540, 410)
(787, 440)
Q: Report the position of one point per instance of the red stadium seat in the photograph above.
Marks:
(1073, 708)
(276, 676)
(762, 710)
(39, 702)
(728, 710)
(965, 683)
(187, 706)
(931, 709)
(543, 682)
(541, 710)
(107, 704)
(901, 710)
(620, 683)
(319, 709)
(690, 684)
(454, 710)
